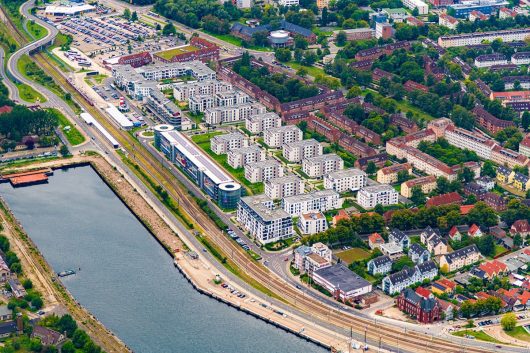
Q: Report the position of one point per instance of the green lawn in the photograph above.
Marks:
(235, 41)
(499, 249)
(170, 53)
(28, 94)
(36, 30)
(479, 335)
(73, 135)
(519, 333)
(280, 244)
(352, 255)
(203, 141)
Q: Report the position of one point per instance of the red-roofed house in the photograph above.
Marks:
(452, 198)
(340, 216)
(375, 240)
(474, 231)
(523, 297)
(521, 227)
(6, 109)
(448, 308)
(457, 232)
(465, 209)
(424, 292)
(448, 283)
(493, 268)
(482, 295)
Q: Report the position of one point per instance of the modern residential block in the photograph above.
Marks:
(316, 167)
(289, 185)
(351, 179)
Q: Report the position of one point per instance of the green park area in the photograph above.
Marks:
(28, 94)
(519, 333)
(479, 335)
(352, 255)
(203, 141)
(72, 134)
(36, 30)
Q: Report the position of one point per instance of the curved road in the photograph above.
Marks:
(52, 33)
(13, 91)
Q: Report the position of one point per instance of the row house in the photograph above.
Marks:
(355, 146)
(460, 258)
(406, 125)
(397, 282)
(379, 160)
(466, 39)
(490, 122)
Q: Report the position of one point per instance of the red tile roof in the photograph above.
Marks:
(376, 238)
(6, 109)
(465, 209)
(445, 199)
(424, 292)
(474, 229)
(448, 283)
(523, 298)
(520, 226)
(493, 268)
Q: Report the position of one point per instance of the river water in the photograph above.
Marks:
(127, 280)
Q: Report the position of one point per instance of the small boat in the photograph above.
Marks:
(66, 273)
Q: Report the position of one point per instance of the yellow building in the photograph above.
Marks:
(460, 258)
(521, 182)
(505, 175)
(389, 175)
(322, 3)
(427, 184)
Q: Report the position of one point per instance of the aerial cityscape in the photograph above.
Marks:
(264, 176)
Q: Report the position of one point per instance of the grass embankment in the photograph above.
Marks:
(28, 94)
(203, 141)
(73, 135)
(479, 335)
(214, 250)
(311, 70)
(36, 30)
(32, 71)
(519, 333)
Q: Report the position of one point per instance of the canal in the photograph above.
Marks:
(127, 280)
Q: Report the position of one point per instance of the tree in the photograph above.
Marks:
(508, 321)
(488, 169)
(127, 14)
(300, 42)
(283, 54)
(379, 209)
(417, 196)
(341, 38)
(134, 16)
(37, 303)
(68, 347)
(402, 176)
(64, 151)
(466, 174)
(525, 120)
(169, 29)
(517, 240)
(483, 215)
(80, 338)
(371, 168)
(67, 324)
(486, 245)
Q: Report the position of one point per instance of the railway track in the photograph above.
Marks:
(409, 341)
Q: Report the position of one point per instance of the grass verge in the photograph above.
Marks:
(479, 335)
(519, 333)
(73, 135)
(28, 94)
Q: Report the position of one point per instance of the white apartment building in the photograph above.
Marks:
(262, 171)
(244, 4)
(465, 139)
(351, 179)
(423, 8)
(230, 98)
(315, 167)
(221, 144)
(200, 102)
(264, 222)
(488, 60)
(323, 200)
(289, 185)
(521, 58)
(462, 40)
(370, 196)
(278, 136)
(298, 150)
(312, 223)
(288, 2)
(183, 91)
(260, 122)
(219, 115)
(242, 156)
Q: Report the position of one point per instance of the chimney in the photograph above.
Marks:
(20, 324)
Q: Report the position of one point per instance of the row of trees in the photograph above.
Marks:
(22, 122)
(283, 87)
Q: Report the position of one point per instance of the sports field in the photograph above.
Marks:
(351, 255)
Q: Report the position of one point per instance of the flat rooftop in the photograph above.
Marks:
(170, 53)
(342, 277)
(196, 156)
